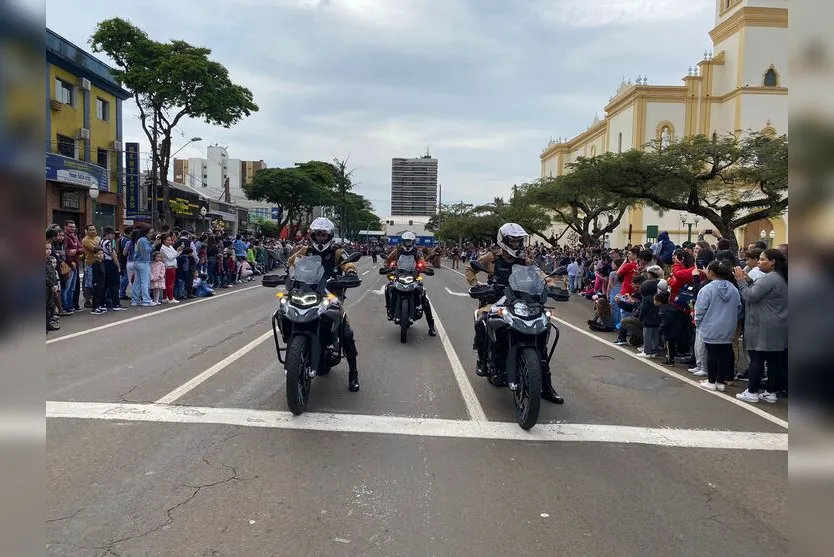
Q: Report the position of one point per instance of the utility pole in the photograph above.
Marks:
(154, 172)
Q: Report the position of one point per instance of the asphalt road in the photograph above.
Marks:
(167, 434)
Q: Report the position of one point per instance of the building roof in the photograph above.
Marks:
(66, 55)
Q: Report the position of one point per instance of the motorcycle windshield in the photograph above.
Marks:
(308, 269)
(526, 279)
(406, 263)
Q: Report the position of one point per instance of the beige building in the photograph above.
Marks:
(742, 84)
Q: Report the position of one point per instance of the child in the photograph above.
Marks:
(99, 282)
(201, 289)
(111, 270)
(183, 273)
(602, 321)
(51, 289)
(158, 278)
(649, 314)
(230, 267)
(717, 310)
(672, 324)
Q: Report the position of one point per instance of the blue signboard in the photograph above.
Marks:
(73, 171)
(277, 212)
(133, 183)
(421, 240)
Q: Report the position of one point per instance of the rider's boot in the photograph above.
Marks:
(432, 331)
(353, 375)
(548, 392)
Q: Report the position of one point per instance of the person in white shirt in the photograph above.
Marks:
(169, 257)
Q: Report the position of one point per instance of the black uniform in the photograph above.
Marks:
(424, 298)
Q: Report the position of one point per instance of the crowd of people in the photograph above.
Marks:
(145, 267)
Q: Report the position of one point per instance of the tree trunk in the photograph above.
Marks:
(165, 160)
(154, 173)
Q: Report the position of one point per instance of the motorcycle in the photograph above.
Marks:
(519, 323)
(407, 292)
(309, 321)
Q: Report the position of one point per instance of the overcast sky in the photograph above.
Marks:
(483, 83)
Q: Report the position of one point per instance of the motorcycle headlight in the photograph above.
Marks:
(406, 280)
(521, 309)
(306, 300)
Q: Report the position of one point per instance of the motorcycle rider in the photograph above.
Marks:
(322, 232)
(407, 247)
(499, 265)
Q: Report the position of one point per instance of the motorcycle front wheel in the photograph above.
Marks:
(404, 320)
(298, 379)
(528, 397)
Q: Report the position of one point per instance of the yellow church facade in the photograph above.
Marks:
(742, 84)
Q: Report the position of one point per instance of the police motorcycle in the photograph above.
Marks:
(407, 291)
(518, 324)
(309, 322)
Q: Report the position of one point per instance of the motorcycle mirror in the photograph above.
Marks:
(558, 294)
(476, 266)
(271, 281)
(383, 270)
(559, 272)
(353, 257)
(428, 271)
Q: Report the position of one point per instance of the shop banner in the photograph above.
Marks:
(73, 171)
(133, 183)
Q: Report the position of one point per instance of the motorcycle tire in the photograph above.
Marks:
(298, 380)
(404, 319)
(528, 398)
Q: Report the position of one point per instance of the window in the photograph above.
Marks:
(620, 142)
(103, 158)
(771, 79)
(66, 146)
(103, 110)
(64, 92)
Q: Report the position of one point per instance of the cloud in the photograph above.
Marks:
(483, 83)
(605, 13)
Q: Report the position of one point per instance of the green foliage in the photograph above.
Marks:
(582, 199)
(729, 181)
(303, 186)
(170, 81)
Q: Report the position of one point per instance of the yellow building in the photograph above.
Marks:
(742, 84)
(83, 137)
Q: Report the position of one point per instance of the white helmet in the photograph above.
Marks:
(511, 239)
(322, 231)
(408, 241)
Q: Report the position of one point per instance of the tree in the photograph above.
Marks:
(297, 189)
(519, 210)
(583, 199)
(729, 181)
(170, 81)
(342, 186)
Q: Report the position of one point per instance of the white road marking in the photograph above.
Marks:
(172, 307)
(731, 399)
(453, 270)
(366, 272)
(473, 406)
(456, 293)
(379, 292)
(183, 389)
(424, 427)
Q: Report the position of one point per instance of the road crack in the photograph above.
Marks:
(67, 517)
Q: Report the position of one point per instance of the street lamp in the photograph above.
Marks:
(93, 195)
(763, 235)
(685, 220)
(190, 141)
(203, 212)
(772, 236)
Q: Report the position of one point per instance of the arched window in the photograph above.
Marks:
(771, 78)
(714, 137)
(620, 142)
(593, 151)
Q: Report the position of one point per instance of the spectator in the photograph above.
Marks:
(717, 310)
(98, 278)
(52, 286)
(73, 251)
(170, 256)
(649, 314)
(573, 271)
(766, 325)
(90, 242)
(602, 321)
(143, 248)
(664, 248)
(682, 266)
(125, 262)
(111, 270)
(751, 258)
(157, 276)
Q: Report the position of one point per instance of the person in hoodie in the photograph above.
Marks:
(717, 311)
(649, 313)
(664, 248)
